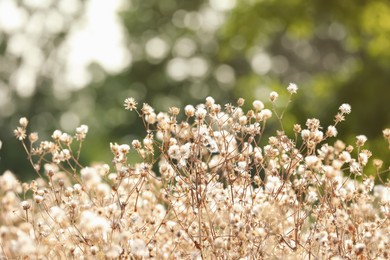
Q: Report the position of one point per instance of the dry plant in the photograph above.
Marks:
(210, 186)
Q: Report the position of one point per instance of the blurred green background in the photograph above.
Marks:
(67, 62)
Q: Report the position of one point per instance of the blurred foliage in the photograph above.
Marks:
(182, 51)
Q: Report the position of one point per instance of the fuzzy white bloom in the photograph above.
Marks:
(66, 138)
(359, 247)
(292, 88)
(136, 144)
(94, 250)
(368, 184)
(243, 120)
(38, 199)
(151, 118)
(90, 176)
(241, 166)
(336, 164)
(350, 187)
(66, 154)
(253, 128)
(171, 224)
(185, 150)
(103, 190)
(92, 222)
(312, 196)
(219, 242)
(81, 132)
(237, 208)
(8, 181)
(265, 114)
(382, 192)
(130, 104)
(25, 204)
(238, 112)
(355, 167)
(56, 135)
(203, 130)
(210, 101)
(24, 244)
(147, 109)
(305, 133)
(258, 105)
(363, 158)
(345, 108)
(138, 248)
(318, 136)
(273, 184)
(200, 113)
(113, 252)
(329, 171)
(148, 142)
(77, 187)
(247, 148)
(273, 96)
(312, 161)
(124, 148)
(174, 152)
(162, 117)
(345, 156)
(58, 214)
(159, 212)
(210, 144)
(258, 153)
(361, 139)
(83, 129)
(23, 121)
(189, 110)
(172, 141)
(332, 131)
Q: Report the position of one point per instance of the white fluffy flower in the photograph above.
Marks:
(332, 131)
(90, 176)
(189, 110)
(23, 121)
(210, 101)
(8, 181)
(83, 129)
(258, 105)
(361, 139)
(58, 214)
(292, 88)
(174, 151)
(273, 96)
(312, 161)
(56, 134)
(345, 156)
(305, 134)
(200, 113)
(355, 168)
(138, 248)
(363, 158)
(265, 114)
(92, 222)
(345, 108)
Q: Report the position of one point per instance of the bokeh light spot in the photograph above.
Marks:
(261, 63)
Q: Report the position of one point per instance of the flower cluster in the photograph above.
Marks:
(210, 185)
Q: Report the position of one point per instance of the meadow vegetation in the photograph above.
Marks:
(209, 184)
